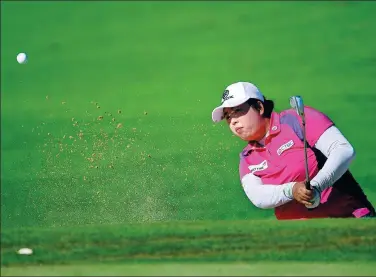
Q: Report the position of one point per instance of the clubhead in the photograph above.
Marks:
(296, 102)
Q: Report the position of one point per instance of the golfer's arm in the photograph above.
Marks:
(340, 154)
(266, 196)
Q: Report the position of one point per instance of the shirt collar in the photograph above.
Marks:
(275, 124)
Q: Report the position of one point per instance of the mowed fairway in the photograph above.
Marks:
(109, 123)
(257, 247)
(222, 269)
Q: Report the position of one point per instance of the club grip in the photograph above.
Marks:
(308, 185)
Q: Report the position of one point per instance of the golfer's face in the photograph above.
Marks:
(244, 121)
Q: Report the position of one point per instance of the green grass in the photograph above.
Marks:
(164, 65)
(175, 69)
(262, 247)
(200, 242)
(189, 269)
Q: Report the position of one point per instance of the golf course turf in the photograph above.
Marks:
(111, 165)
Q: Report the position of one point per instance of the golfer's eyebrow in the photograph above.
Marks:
(232, 110)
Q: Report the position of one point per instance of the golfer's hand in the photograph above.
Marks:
(301, 194)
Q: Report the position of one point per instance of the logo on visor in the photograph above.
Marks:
(226, 96)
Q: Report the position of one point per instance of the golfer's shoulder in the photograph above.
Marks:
(245, 152)
(310, 113)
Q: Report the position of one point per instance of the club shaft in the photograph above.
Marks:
(308, 186)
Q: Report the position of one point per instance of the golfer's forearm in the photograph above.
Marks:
(340, 154)
(266, 196)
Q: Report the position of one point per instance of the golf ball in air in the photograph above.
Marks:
(21, 58)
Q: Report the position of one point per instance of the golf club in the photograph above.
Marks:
(296, 102)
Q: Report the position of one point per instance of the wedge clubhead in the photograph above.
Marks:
(296, 102)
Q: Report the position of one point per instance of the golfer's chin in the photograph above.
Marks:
(245, 137)
(244, 134)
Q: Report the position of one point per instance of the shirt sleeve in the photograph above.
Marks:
(340, 154)
(316, 124)
(266, 196)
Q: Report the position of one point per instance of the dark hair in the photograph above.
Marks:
(268, 106)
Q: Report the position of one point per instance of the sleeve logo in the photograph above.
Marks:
(258, 167)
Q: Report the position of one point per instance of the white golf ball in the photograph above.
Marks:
(25, 251)
(21, 58)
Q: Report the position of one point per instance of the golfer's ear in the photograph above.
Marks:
(262, 108)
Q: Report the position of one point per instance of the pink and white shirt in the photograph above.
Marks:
(269, 170)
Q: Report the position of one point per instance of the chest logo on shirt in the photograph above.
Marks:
(258, 167)
(284, 147)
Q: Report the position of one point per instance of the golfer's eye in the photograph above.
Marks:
(236, 112)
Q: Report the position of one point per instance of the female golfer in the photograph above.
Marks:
(272, 165)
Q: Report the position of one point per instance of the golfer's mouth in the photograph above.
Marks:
(238, 129)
